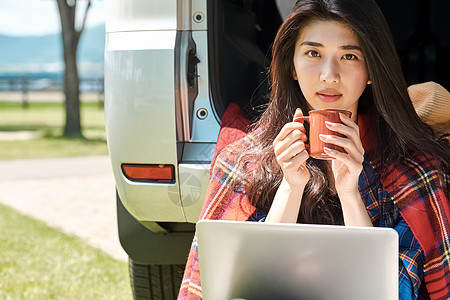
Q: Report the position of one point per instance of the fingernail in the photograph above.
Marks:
(326, 149)
(298, 110)
(328, 123)
(322, 137)
(343, 115)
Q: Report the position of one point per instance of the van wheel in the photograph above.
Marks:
(155, 281)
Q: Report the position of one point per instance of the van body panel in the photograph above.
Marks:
(138, 15)
(140, 117)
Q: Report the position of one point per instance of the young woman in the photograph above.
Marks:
(392, 173)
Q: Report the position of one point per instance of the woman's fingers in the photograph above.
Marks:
(298, 161)
(287, 129)
(294, 133)
(349, 129)
(345, 158)
(290, 152)
(294, 136)
(351, 142)
(348, 121)
(350, 133)
(344, 129)
(354, 150)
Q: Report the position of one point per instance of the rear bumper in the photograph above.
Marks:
(146, 247)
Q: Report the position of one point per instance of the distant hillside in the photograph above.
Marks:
(29, 49)
(33, 53)
(92, 45)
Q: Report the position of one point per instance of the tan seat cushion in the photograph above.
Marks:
(432, 103)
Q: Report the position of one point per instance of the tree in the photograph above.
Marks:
(70, 38)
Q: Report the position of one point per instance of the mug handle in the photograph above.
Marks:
(303, 119)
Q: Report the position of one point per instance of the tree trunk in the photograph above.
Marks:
(70, 38)
(72, 93)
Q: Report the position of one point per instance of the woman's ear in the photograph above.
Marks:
(294, 75)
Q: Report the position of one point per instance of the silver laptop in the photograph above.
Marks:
(251, 260)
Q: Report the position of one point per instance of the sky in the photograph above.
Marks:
(40, 17)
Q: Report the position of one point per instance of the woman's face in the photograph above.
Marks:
(329, 66)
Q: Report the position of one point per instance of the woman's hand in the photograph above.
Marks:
(291, 154)
(346, 166)
(346, 169)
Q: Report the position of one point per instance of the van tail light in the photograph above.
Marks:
(149, 173)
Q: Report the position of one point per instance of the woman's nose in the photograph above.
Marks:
(329, 72)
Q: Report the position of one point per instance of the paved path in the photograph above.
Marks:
(76, 195)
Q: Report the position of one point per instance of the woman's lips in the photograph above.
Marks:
(328, 95)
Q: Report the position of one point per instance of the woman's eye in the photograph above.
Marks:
(312, 53)
(350, 57)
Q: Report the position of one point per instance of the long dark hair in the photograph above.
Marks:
(400, 132)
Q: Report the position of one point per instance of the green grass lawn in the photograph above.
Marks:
(47, 119)
(39, 262)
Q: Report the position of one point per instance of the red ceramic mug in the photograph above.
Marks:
(316, 121)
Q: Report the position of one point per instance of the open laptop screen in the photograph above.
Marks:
(251, 260)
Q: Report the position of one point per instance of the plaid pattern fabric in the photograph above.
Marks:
(415, 188)
(383, 212)
(411, 263)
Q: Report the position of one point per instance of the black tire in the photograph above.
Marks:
(155, 282)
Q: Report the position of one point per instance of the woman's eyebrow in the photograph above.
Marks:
(308, 43)
(344, 47)
(350, 47)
